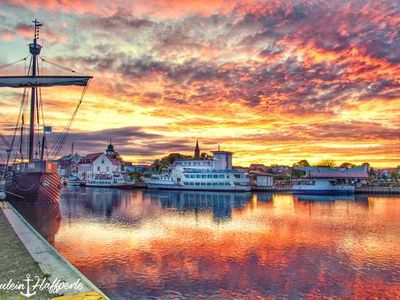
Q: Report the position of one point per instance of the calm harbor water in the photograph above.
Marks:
(144, 243)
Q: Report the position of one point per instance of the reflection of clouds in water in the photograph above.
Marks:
(271, 245)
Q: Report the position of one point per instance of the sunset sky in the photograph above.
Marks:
(273, 81)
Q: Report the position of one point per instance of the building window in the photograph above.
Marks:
(98, 169)
(221, 176)
(108, 169)
(102, 161)
(215, 176)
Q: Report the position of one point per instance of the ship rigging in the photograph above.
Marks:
(35, 176)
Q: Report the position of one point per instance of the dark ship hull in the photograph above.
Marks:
(34, 182)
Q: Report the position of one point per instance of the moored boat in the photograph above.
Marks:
(215, 174)
(33, 177)
(329, 181)
(322, 187)
(117, 182)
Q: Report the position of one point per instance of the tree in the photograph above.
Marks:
(330, 163)
(394, 175)
(166, 161)
(205, 156)
(302, 163)
(297, 173)
(372, 173)
(347, 165)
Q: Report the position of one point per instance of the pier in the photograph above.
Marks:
(395, 190)
(25, 252)
(378, 190)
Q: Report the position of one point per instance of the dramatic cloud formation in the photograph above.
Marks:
(274, 81)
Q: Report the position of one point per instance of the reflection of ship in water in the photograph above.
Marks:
(45, 219)
(325, 198)
(220, 204)
(93, 201)
(362, 199)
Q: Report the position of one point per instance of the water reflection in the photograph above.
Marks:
(219, 203)
(201, 244)
(45, 218)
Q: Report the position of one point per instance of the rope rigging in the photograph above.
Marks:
(58, 65)
(65, 132)
(13, 63)
(40, 130)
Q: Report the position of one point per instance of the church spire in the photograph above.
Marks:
(197, 150)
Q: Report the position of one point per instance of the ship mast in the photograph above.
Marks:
(34, 49)
(35, 81)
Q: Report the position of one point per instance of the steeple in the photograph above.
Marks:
(197, 150)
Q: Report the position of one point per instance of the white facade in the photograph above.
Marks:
(102, 165)
(264, 180)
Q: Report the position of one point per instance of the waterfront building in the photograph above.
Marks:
(104, 169)
(95, 164)
(263, 179)
(332, 181)
(215, 174)
(68, 165)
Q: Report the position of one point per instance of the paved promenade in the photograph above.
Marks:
(15, 261)
(24, 251)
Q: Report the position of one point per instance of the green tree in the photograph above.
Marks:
(297, 173)
(372, 173)
(326, 163)
(205, 156)
(168, 160)
(347, 165)
(394, 175)
(302, 163)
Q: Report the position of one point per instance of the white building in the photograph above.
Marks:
(95, 164)
(264, 180)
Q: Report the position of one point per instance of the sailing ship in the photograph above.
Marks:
(35, 179)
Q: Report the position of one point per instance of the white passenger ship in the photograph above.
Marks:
(216, 174)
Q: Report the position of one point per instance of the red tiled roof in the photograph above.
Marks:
(115, 161)
(88, 159)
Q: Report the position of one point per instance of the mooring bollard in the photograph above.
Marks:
(3, 197)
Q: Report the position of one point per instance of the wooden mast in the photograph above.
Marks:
(34, 49)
